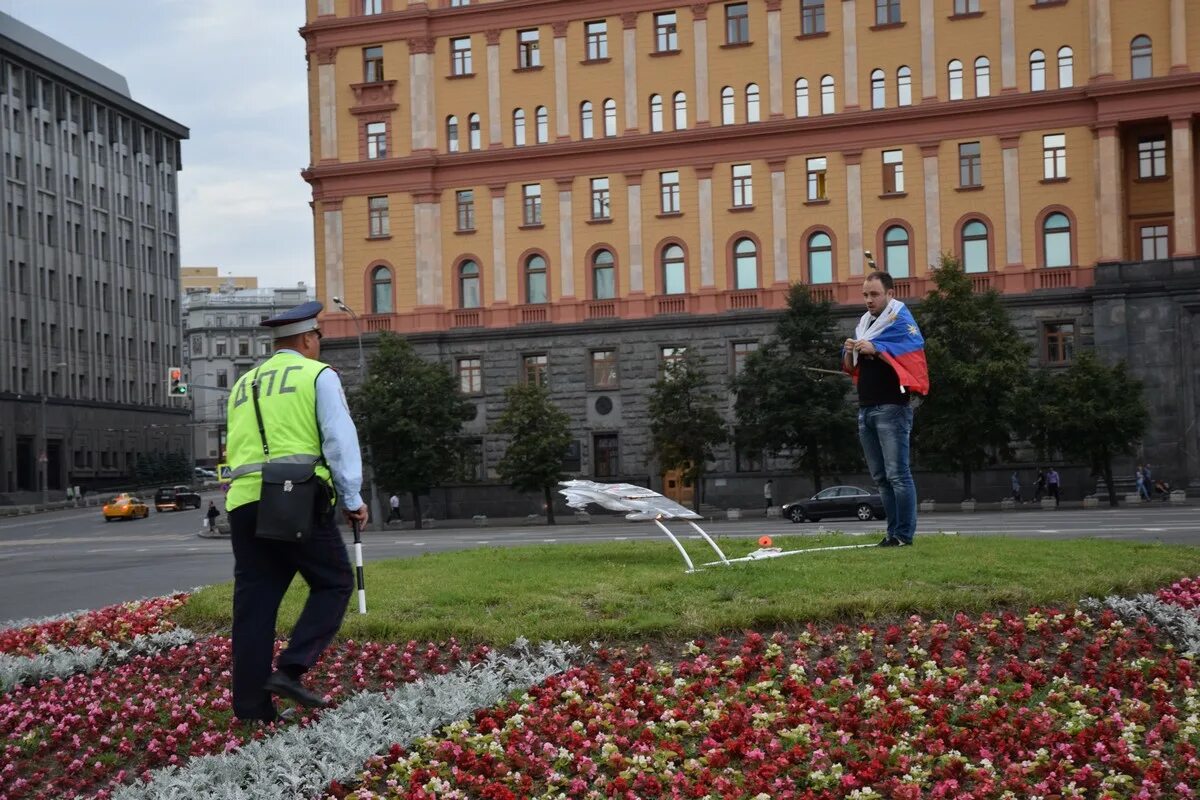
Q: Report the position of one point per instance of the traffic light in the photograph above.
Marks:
(175, 381)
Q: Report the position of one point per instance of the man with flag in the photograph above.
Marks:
(886, 359)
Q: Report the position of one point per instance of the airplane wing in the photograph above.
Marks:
(640, 503)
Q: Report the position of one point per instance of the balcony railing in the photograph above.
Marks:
(1055, 278)
(981, 283)
(671, 305)
(466, 318)
(378, 322)
(822, 294)
(601, 309)
(534, 314)
(903, 288)
(742, 300)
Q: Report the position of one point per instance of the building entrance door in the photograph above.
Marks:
(677, 489)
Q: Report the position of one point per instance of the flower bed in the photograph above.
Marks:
(1053, 704)
(86, 733)
(103, 628)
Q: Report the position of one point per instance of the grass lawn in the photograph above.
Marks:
(637, 590)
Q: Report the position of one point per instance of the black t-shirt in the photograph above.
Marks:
(878, 383)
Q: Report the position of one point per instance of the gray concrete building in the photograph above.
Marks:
(222, 340)
(89, 249)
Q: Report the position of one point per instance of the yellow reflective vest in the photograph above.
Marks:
(287, 398)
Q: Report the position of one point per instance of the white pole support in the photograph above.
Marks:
(687, 559)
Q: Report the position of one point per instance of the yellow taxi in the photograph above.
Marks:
(125, 506)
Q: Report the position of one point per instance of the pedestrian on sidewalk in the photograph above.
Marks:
(1016, 487)
(1143, 489)
(212, 515)
(1039, 486)
(767, 493)
(1052, 484)
(394, 504)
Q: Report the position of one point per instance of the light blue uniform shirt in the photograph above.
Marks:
(339, 438)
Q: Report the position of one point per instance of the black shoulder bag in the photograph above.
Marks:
(291, 493)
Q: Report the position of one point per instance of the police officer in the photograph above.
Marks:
(310, 422)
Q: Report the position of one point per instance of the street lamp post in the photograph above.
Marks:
(369, 471)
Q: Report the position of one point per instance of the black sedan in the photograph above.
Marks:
(836, 501)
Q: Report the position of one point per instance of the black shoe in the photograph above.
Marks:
(889, 542)
(284, 685)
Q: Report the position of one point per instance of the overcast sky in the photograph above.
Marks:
(233, 72)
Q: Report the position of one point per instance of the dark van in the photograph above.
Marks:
(175, 498)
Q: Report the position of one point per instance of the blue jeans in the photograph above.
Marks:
(884, 431)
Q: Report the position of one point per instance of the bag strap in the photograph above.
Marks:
(258, 414)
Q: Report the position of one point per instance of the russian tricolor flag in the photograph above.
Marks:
(899, 341)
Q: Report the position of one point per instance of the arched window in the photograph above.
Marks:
(827, 100)
(820, 258)
(745, 264)
(519, 127)
(955, 70)
(604, 277)
(381, 291)
(680, 111)
(656, 113)
(878, 89)
(728, 106)
(468, 285)
(542, 121)
(535, 280)
(1056, 240)
(1066, 68)
(753, 113)
(610, 117)
(975, 254)
(896, 251)
(674, 270)
(904, 86)
(587, 127)
(983, 77)
(802, 97)
(1141, 52)
(1037, 71)
(452, 134)
(474, 140)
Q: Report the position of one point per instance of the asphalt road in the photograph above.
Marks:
(66, 560)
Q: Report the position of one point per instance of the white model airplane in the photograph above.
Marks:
(645, 504)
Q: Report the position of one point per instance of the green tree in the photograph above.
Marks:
(410, 412)
(685, 424)
(539, 433)
(1091, 412)
(977, 366)
(783, 405)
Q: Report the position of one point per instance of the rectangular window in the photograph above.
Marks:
(459, 3)
(377, 214)
(596, 40)
(887, 12)
(470, 375)
(742, 351)
(893, 171)
(372, 64)
(970, 164)
(816, 179)
(743, 185)
(534, 368)
(737, 23)
(460, 56)
(812, 17)
(1058, 340)
(221, 347)
(604, 369)
(668, 183)
(528, 52)
(1154, 242)
(1152, 158)
(532, 196)
(243, 347)
(371, 7)
(666, 32)
(1054, 156)
(601, 199)
(222, 379)
(376, 140)
(966, 6)
(605, 456)
(465, 203)
(748, 460)
(669, 356)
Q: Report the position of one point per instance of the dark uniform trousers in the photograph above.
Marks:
(263, 570)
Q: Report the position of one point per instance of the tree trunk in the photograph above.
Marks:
(416, 498)
(549, 506)
(1108, 481)
(697, 498)
(966, 476)
(814, 468)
